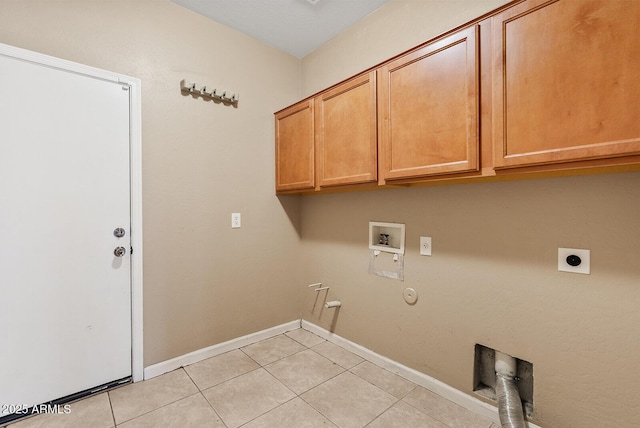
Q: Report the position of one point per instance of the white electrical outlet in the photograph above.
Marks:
(574, 260)
(425, 245)
(235, 220)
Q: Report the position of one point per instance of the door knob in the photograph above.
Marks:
(119, 251)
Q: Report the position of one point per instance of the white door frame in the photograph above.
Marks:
(135, 138)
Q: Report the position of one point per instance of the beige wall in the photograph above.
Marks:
(492, 278)
(203, 282)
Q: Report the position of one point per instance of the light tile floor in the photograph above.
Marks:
(294, 380)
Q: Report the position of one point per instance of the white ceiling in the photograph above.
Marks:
(294, 26)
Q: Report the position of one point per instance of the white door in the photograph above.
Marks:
(65, 297)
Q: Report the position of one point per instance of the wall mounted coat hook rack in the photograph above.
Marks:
(214, 93)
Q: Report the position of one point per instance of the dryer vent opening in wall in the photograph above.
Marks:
(484, 378)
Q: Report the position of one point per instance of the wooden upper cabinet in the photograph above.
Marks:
(566, 81)
(295, 147)
(428, 104)
(346, 135)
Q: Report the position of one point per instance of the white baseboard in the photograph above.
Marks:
(442, 389)
(211, 351)
(432, 384)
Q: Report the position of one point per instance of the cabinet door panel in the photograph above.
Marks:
(428, 109)
(295, 147)
(566, 83)
(346, 135)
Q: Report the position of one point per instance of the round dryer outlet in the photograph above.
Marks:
(410, 296)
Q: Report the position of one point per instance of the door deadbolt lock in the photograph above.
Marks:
(118, 232)
(119, 251)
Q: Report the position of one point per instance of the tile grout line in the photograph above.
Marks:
(249, 356)
(113, 416)
(384, 411)
(214, 410)
(344, 370)
(164, 405)
(299, 396)
(376, 386)
(397, 399)
(431, 416)
(263, 366)
(158, 408)
(200, 391)
(421, 411)
(295, 395)
(323, 415)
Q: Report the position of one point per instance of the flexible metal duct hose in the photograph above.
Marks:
(509, 403)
